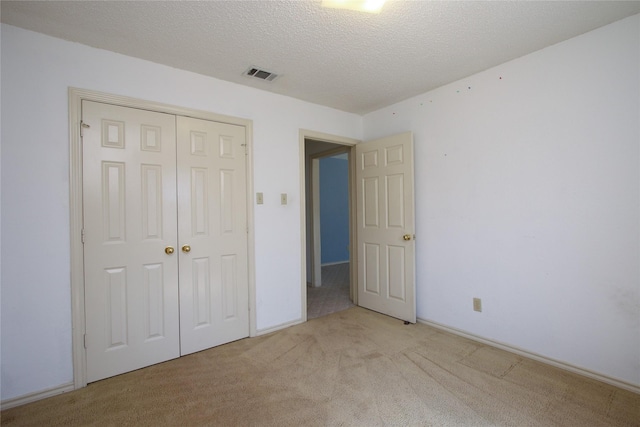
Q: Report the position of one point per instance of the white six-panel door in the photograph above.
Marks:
(385, 226)
(165, 232)
(212, 210)
(129, 194)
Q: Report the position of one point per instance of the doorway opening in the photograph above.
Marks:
(328, 284)
(381, 221)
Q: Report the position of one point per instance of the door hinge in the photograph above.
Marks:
(245, 149)
(83, 126)
(82, 235)
(84, 341)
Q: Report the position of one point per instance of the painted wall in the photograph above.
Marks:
(334, 209)
(36, 73)
(528, 196)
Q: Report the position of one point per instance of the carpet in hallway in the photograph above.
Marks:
(333, 295)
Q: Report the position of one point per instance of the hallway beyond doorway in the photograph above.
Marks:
(333, 295)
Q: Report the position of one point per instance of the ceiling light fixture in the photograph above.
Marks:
(371, 6)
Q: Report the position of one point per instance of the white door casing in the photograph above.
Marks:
(349, 143)
(129, 193)
(212, 206)
(385, 226)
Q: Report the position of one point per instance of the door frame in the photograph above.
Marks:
(349, 144)
(76, 96)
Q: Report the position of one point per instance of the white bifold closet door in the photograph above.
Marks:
(165, 236)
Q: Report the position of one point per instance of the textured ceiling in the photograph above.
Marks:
(351, 61)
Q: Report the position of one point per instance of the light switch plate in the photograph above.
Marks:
(283, 198)
(259, 198)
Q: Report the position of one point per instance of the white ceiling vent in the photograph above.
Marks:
(260, 74)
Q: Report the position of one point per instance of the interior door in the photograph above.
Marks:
(385, 226)
(129, 208)
(212, 187)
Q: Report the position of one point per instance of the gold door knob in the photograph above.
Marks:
(186, 249)
(168, 250)
(407, 237)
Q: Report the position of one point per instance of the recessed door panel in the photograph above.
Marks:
(229, 280)
(198, 143)
(151, 138)
(394, 194)
(151, 201)
(227, 198)
(394, 155)
(154, 300)
(369, 160)
(199, 201)
(113, 201)
(227, 147)
(201, 292)
(396, 269)
(372, 268)
(370, 202)
(116, 299)
(112, 133)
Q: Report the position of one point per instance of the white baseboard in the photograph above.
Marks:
(39, 395)
(558, 364)
(277, 327)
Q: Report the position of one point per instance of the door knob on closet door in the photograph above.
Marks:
(407, 237)
(186, 249)
(168, 250)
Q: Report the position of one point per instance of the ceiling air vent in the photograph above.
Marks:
(261, 74)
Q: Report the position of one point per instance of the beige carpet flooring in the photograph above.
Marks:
(333, 295)
(352, 368)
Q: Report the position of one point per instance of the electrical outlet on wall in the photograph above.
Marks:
(477, 304)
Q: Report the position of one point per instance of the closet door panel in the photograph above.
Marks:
(129, 209)
(212, 233)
